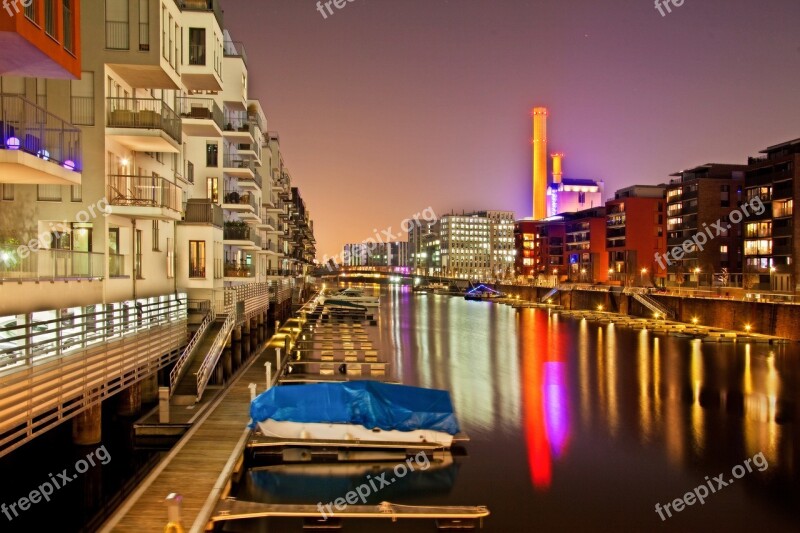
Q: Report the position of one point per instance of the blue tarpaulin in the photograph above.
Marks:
(371, 404)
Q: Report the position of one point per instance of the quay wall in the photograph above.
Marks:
(777, 319)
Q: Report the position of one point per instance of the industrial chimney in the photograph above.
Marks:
(558, 158)
(539, 163)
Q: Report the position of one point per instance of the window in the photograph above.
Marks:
(197, 46)
(156, 236)
(69, 40)
(782, 208)
(31, 12)
(212, 154)
(137, 255)
(190, 172)
(50, 18)
(759, 247)
(212, 189)
(76, 193)
(48, 193)
(197, 259)
(144, 25)
(758, 229)
(117, 27)
(7, 190)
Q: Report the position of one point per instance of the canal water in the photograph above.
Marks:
(579, 426)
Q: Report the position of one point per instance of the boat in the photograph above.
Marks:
(348, 297)
(433, 288)
(358, 411)
(482, 293)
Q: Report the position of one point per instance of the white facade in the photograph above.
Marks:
(477, 246)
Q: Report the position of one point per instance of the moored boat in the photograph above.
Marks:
(363, 411)
(348, 297)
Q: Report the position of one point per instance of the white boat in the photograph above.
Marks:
(351, 433)
(350, 296)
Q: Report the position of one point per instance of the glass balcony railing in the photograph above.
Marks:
(200, 109)
(238, 232)
(26, 127)
(143, 191)
(239, 270)
(235, 197)
(116, 266)
(50, 265)
(234, 49)
(143, 113)
(199, 211)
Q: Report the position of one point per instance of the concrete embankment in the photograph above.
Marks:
(775, 319)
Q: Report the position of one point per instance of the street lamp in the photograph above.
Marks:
(644, 273)
(697, 275)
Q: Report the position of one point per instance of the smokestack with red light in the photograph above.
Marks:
(539, 163)
(558, 159)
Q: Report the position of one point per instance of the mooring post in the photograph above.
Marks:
(268, 367)
(174, 502)
(252, 388)
(277, 359)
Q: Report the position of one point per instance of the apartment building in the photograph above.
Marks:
(386, 254)
(585, 246)
(539, 248)
(697, 198)
(477, 246)
(126, 194)
(424, 255)
(635, 233)
(771, 259)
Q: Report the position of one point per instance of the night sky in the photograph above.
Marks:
(388, 107)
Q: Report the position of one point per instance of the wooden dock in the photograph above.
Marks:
(200, 465)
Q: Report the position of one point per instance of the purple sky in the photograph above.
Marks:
(388, 107)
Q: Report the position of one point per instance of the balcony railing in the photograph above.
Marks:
(50, 265)
(116, 266)
(143, 191)
(200, 109)
(200, 211)
(202, 5)
(238, 121)
(236, 161)
(143, 113)
(233, 196)
(197, 54)
(239, 270)
(242, 233)
(26, 127)
(234, 49)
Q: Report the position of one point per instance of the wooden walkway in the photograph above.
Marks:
(199, 466)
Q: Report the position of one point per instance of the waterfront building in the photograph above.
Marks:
(142, 191)
(539, 248)
(771, 255)
(697, 199)
(388, 254)
(424, 255)
(635, 233)
(477, 246)
(585, 249)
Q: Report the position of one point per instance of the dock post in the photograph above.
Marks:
(252, 388)
(277, 360)
(268, 367)
(163, 405)
(87, 427)
(130, 400)
(174, 519)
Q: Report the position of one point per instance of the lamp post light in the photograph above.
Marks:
(644, 274)
(697, 275)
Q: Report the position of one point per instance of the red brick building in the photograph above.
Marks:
(539, 248)
(585, 252)
(635, 232)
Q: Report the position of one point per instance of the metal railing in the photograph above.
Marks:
(82, 110)
(83, 358)
(239, 233)
(234, 49)
(143, 191)
(211, 359)
(197, 54)
(200, 109)
(26, 127)
(177, 371)
(202, 211)
(50, 265)
(143, 113)
(238, 121)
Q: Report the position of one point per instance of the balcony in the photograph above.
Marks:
(239, 234)
(240, 201)
(239, 270)
(238, 127)
(201, 117)
(37, 147)
(203, 211)
(147, 197)
(269, 248)
(144, 124)
(234, 49)
(44, 265)
(203, 71)
(238, 166)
